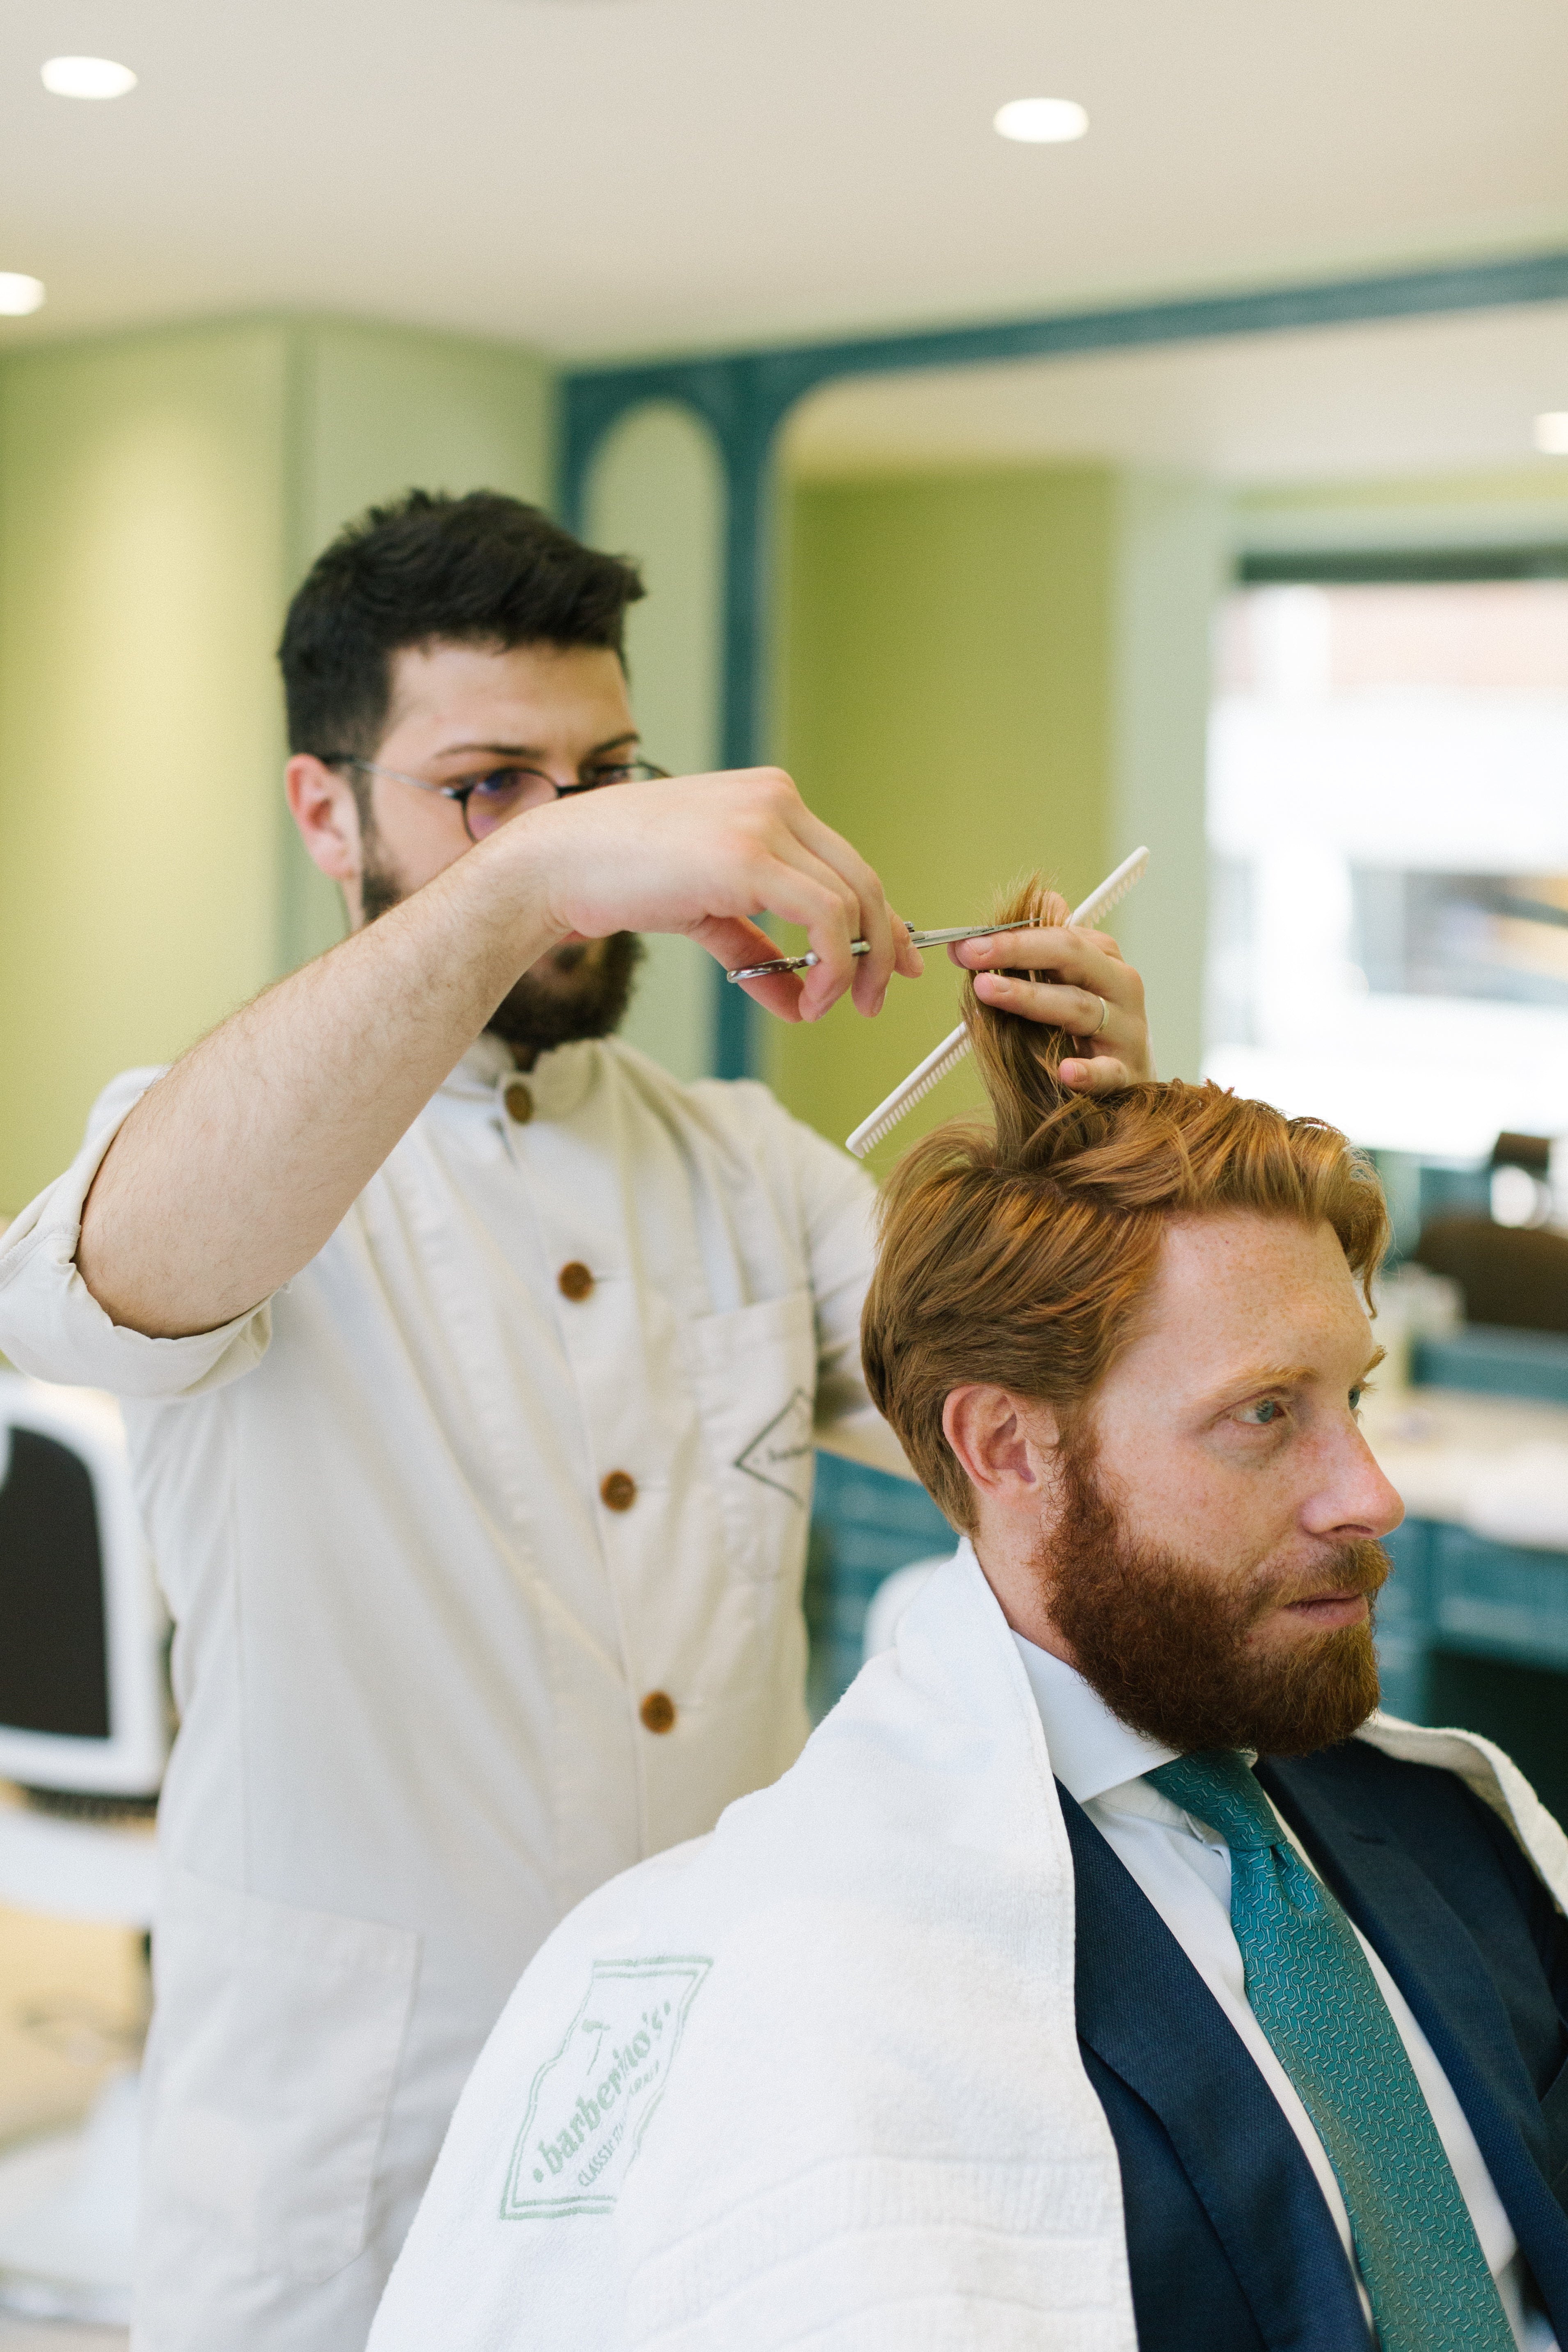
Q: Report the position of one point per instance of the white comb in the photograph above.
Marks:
(951, 1050)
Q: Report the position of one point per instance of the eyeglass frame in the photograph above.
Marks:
(621, 773)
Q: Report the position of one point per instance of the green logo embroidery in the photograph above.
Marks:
(592, 2103)
(781, 1455)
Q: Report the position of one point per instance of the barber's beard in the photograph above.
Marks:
(579, 991)
(1166, 1645)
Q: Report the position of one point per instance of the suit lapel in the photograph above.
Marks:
(1147, 2014)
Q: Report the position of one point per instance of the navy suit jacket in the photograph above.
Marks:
(1231, 2245)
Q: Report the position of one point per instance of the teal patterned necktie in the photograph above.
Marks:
(1310, 1990)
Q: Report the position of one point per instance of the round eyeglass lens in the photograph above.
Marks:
(501, 795)
(506, 792)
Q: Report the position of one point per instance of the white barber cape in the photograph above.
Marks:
(528, 1444)
(814, 2080)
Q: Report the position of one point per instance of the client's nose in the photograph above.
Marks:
(1357, 1500)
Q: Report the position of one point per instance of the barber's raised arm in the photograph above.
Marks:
(232, 1172)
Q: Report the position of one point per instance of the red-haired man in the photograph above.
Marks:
(1107, 1972)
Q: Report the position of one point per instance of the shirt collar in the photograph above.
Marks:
(1090, 1749)
(486, 1063)
(558, 1081)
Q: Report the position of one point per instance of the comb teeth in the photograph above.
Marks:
(952, 1051)
(1112, 891)
(948, 1055)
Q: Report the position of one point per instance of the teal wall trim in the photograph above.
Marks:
(1496, 1360)
(745, 397)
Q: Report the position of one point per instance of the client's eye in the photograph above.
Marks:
(1263, 1413)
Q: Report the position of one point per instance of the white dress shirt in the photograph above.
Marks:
(1183, 1868)
(526, 1446)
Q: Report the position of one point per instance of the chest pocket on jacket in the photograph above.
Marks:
(754, 1378)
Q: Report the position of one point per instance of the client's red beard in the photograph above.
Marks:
(1166, 1646)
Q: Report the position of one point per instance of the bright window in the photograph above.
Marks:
(1388, 828)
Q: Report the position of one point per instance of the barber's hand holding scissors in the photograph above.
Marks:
(706, 856)
(1092, 993)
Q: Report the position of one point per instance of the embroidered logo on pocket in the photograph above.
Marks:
(592, 2103)
(779, 1455)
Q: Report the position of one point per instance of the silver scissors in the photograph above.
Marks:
(921, 940)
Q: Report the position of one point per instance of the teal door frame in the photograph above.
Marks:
(745, 396)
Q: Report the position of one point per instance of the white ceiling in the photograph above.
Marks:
(602, 176)
(1412, 396)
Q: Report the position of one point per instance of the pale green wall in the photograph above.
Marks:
(1170, 570)
(383, 409)
(657, 494)
(159, 496)
(984, 672)
(374, 411)
(945, 705)
(142, 514)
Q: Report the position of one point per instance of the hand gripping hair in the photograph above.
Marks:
(1019, 1252)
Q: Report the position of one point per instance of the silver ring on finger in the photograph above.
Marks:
(1104, 1016)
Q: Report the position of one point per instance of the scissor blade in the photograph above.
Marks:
(972, 931)
(918, 940)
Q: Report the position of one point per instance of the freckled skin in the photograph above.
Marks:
(1227, 1431)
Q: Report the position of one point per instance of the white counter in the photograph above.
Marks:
(1498, 1465)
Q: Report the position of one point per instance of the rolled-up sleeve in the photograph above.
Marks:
(53, 1326)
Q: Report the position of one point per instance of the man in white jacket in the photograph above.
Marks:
(1108, 1972)
(472, 1369)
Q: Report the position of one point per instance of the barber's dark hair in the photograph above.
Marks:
(483, 570)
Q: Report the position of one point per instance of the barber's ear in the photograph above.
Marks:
(323, 807)
(1005, 1445)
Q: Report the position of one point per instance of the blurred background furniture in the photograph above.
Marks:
(1514, 1275)
(1509, 1274)
(84, 1734)
(1473, 1628)
(865, 1526)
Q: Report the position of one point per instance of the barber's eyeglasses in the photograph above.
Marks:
(489, 799)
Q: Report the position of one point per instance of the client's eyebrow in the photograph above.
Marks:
(1273, 1376)
(1249, 1384)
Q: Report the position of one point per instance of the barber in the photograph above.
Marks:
(472, 1368)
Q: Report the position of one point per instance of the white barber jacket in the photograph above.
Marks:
(515, 1474)
(814, 2079)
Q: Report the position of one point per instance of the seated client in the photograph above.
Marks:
(1108, 1972)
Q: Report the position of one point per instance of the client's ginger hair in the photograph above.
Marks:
(1018, 1255)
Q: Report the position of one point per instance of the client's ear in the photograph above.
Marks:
(1005, 1445)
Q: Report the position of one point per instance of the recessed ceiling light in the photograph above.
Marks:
(1042, 121)
(19, 295)
(88, 77)
(1551, 432)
